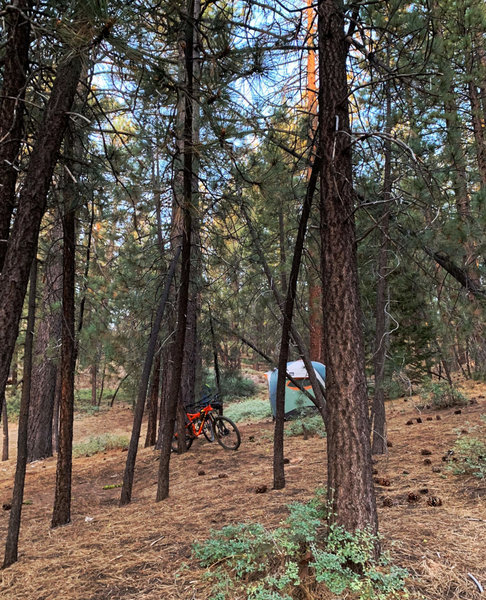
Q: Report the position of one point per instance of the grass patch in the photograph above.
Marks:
(100, 443)
(252, 410)
(309, 425)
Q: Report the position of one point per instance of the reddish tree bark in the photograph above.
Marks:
(350, 481)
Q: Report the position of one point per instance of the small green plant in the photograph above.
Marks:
(306, 426)
(249, 561)
(100, 443)
(470, 455)
(251, 410)
(439, 394)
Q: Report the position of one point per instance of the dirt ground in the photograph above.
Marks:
(134, 552)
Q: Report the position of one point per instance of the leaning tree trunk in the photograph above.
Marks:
(31, 207)
(278, 447)
(126, 492)
(153, 400)
(12, 97)
(318, 399)
(11, 546)
(350, 482)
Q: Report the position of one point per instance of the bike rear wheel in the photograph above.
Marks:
(174, 444)
(227, 433)
(208, 430)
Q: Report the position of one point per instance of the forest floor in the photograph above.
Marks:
(135, 552)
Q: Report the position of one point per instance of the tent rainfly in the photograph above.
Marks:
(294, 398)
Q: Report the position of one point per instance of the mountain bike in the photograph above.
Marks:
(201, 420)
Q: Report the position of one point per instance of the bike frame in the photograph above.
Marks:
(202, 414)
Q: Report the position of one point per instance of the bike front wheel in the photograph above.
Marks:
(227, 433)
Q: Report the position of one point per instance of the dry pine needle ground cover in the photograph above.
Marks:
(134, 553)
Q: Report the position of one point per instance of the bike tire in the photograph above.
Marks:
(174, 446)
(227, 433)
(208, 430)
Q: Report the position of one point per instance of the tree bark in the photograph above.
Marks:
(46, 352)
(278, 447)
(314, 279)
(126, 493)
(12, 111)
(5, 432)
(31, 207)
(378, 415)
(94, 378)
(188, 186)
(61, 514)
(153, 404)
(11, 546)
(350, 482)
(318, 399)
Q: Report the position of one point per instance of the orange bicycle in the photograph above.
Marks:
(200, 419)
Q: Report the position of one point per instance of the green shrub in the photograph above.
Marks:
(100, 443)
(470, 457)
(306, 425)
(441, 395)
(248, 410)
(249, 561)
(233, 385)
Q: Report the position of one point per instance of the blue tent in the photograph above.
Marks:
(294, 398)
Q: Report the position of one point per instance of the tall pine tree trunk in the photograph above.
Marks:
(184, 288)
(12, 95)
(379, 441)
(46, 355)
(61, 514)
(350, 483)
(314, 279)
(153, 401)
(11, 546)
(5, 432)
